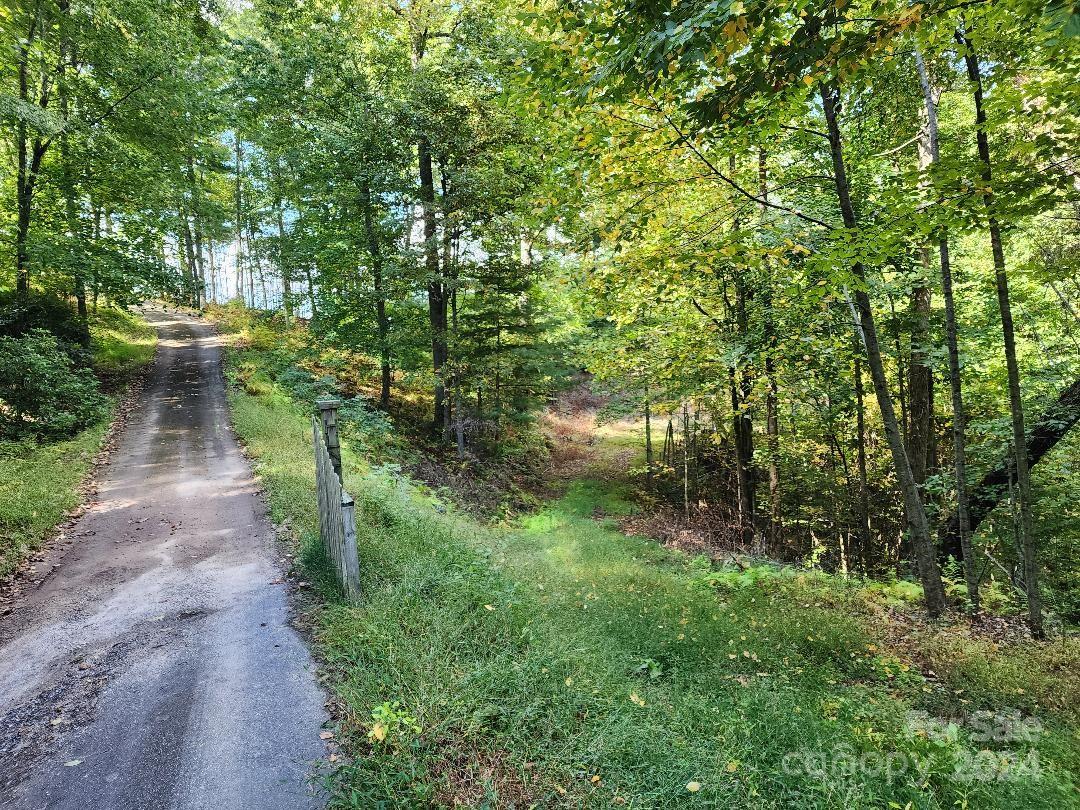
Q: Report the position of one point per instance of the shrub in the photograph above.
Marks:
(42, 393)
(21, 313)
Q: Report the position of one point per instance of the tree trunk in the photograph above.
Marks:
(311, 290)
(436, 289)
(67, 171)
(200, 263)
(920, 380)
(1016, 405)
(772, 421)
(283, 265)
(951, 337)
(239, 193)
(743, 424)
(213, 271)
(860, 461)
(918, 526)
(381, 320)
(188, 264)
(648, 439)
(28, 161)
(686, 461)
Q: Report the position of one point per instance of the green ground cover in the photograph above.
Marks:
(554, 661)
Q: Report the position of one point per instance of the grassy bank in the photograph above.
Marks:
(39, 483)
(557, 662)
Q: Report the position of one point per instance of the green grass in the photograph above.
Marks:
(123, 342)
(39, 483)
(557, 662)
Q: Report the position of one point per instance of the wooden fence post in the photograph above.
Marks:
(337, 509)
(351, 574)
(328, 408)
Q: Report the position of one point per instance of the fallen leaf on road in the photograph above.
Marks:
(326, 735)
(71, 763)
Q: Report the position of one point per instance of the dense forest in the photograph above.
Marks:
(828, 252)
(693, 387)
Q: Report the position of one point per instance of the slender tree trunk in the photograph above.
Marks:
(255, 267)
(29, 157)
(918, 526)
(686, 461)
(95, 281)
(190, 265)
(186, 258)
(648, 439)
(920, 379)
(449, 274)
(436, 289)
(743, 424)
(772, 420)
(311, 290)
(860, 462)
(381, 320)
(212, 266)
(283, 264)
(239, 193)
(459, 413)
(952, 340)
(200, 263)
(744, 437)
(1016, 404)
(67, 169)
(1050, 428)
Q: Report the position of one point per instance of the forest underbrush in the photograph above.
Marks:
(553, 660)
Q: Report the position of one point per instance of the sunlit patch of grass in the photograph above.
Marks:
(557, 662)
(122, 341)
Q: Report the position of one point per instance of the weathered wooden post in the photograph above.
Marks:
(328, 408)
(351, 574)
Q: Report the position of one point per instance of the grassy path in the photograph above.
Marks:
(558, 662)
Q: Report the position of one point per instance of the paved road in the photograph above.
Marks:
(155, 667)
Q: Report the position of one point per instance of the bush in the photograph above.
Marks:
(42, 393)
(21, 313)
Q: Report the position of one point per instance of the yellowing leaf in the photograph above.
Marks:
(732, 766)
(378, 732)
(636, 699)
(693, 787)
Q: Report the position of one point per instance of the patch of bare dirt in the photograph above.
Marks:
(469, 777)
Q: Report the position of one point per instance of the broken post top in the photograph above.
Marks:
(328, 403)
